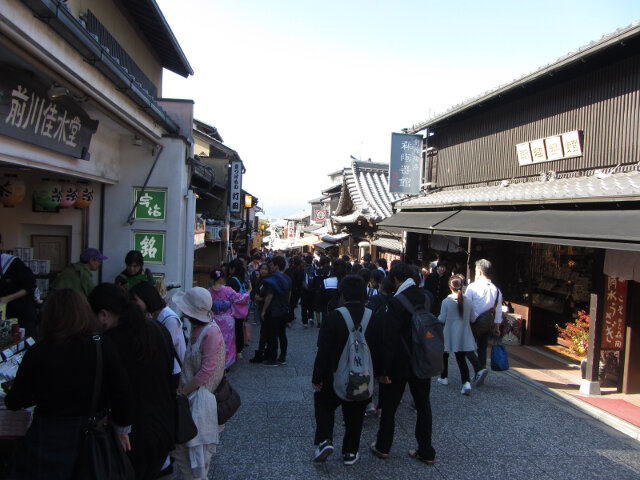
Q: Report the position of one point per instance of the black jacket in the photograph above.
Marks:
(396, 336)
(333, 337)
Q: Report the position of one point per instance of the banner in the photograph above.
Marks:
(615, 307)
(404, 167)
(320, 215)
(235, 189)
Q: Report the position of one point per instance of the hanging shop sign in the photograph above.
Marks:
(36, 113)
(12, 191)
(235, 189)
(615, 309)
(557, 147)
(404, 167)
(152, 204)
(291, 229)
(319, 215)
(151, 245)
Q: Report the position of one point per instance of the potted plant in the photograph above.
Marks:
(576, 334)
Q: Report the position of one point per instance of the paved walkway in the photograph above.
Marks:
(505, 429)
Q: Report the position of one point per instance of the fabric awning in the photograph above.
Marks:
(618, 229)
(324, 245)
(421, 222)
(308, 240)
(390, 244)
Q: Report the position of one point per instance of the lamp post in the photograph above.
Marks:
(248, 203)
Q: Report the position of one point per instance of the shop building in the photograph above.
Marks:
(542, 177)
(102, 160)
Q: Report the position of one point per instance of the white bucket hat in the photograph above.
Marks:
(195, 302)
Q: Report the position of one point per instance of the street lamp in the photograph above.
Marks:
(248, 203)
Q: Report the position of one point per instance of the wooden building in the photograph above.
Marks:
(542, 177)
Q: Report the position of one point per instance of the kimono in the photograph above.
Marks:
(223, 301)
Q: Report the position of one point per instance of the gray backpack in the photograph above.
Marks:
(427, 337)
(353, 379)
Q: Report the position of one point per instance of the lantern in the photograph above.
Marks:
(85, 195)
(69, 194)
(12, 191)
(48, 194)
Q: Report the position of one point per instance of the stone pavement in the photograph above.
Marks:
(505, 429)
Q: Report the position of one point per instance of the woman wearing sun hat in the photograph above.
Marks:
(202, 371)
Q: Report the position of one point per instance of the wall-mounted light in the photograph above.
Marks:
(56, 92)
(248, 201)
(137, 140)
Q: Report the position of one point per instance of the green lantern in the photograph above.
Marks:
(48, 194)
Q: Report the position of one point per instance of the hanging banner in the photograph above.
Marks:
(404, 167)
(320, 215)
(29, 112)
(615, 309)
(291, 229)
(235, 187)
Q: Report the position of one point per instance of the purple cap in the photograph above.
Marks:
(90, 254)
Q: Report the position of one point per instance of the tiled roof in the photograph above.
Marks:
(392, 244)
(598, 187)
(299, 216)
(365, 193)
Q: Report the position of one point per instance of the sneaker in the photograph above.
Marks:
(413, 453)
(240, 355)
(323, 451)
(350, 458)
(270, 363)
(282, 361)
(479, 379)
(371, 409)
(443, 381)
(377, 452)
(466, 388)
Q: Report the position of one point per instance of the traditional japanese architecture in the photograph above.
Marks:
(542, 177)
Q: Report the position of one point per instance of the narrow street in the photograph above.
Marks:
(505, 429)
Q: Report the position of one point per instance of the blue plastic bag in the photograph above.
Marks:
(499, 360)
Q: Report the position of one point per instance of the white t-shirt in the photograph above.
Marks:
(482, 294)
(172, 323)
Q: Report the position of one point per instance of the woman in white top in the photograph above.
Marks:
(457, 313)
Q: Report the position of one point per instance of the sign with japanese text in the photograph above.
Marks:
(404, 167)
(152, 204)
(291, 229)
(615, 307)
(557, 147)
(235, 187)
(28, 114)
(151, 245)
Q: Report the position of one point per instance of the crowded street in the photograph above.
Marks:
(506, 429)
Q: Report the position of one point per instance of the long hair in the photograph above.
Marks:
(455, 284)
(112, 298)
(67, 314)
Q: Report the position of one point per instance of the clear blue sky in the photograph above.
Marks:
(297, 86)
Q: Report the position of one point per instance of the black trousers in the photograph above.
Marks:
(275, 329)
(239, 330)
(293, 303)
(325, 403)
(306, 305)
(461, 359)
(390, 396)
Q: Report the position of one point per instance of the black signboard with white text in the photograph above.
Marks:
(404, 167)
(28, 114)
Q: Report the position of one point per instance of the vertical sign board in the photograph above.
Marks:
(404, 167)
(151, 245)
(615, 304)
(235, 189)
(152, 204)
(291, 229)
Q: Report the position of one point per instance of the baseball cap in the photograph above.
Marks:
(90, 254)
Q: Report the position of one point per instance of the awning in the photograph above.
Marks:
(324, 245)
(308, 240)
(617, 229)
(391, 244)
(421, 222)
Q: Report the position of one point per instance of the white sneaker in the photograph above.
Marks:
(443, 381)
(466, 388)
(482, 374)
(323, 451)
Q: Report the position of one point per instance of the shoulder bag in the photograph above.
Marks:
(228, 401)
(102, 456)
(485, 320)
(185, 428)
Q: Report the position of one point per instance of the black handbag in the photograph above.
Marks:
(185, 426)
(102, 456)
(228, 401)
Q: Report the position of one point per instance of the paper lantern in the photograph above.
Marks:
(85, 195)
(48, 194)
(12, 191)
(69, 194)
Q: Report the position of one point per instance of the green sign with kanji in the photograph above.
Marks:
(152, 204)
(151, 245)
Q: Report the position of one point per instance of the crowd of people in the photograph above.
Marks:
(151, 352)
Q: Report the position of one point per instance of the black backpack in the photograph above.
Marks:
(427, 335)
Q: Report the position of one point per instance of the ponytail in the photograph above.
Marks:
(455, 284)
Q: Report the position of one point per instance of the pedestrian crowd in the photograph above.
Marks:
(147, 355)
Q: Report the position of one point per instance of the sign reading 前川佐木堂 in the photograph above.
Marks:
(404, 167)
(151, 204)
(151, 245)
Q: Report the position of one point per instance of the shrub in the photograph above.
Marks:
(577, 332)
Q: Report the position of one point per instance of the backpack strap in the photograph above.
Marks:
(364, 323)
(404, 301)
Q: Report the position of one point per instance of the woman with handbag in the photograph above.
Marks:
(456, 313)
(143, 347)
(202, 372)
(57, 376)
(227, 305)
